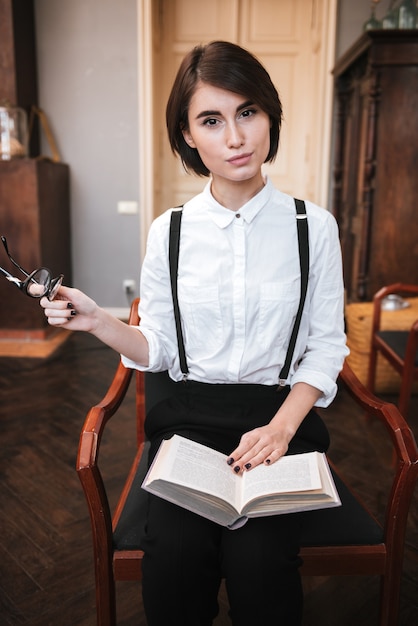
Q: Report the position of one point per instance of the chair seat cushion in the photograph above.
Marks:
(131, 526)
(349, 524)
(397, 340)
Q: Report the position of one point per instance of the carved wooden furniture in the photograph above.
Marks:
(35, 218)
(399, 347)
(375, 187)
(344, 540)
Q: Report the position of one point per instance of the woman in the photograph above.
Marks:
(238, 290)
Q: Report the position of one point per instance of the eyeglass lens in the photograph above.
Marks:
(38, 283)
(54, 286)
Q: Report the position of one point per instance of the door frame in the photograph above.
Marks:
(145, 112)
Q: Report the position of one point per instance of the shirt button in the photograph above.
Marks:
(238, 215)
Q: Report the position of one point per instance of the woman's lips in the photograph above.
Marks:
(240, 159)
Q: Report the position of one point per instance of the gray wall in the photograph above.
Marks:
(87, 65)
(352, 14)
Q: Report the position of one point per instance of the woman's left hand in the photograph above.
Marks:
(261, 445)
(268, 443)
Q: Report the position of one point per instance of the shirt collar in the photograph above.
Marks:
(223, 216)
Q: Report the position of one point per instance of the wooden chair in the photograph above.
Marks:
(398, 347)
(344, 540)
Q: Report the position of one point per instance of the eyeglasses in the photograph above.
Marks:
(37, 284)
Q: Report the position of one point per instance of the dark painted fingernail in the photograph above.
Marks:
(236, 469)
(268, 461)
(73, 312)
(230, 461)
(69, 305)
(247, 465)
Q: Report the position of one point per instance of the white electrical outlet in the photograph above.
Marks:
(129, 285)
(127, 207)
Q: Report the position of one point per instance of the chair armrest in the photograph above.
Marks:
(405, 470)
(399, 431)
(87, 459)
(99, 414)
(88, 453)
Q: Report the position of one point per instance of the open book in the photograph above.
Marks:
(199, 479)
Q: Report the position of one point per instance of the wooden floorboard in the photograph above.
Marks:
(46, 561)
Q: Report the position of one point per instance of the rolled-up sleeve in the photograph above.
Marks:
(323, 350)
(156, 307)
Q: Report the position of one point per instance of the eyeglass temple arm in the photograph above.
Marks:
(10, 277)
(5, 272)
(15, 263)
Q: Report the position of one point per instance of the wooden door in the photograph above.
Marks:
(294, 39)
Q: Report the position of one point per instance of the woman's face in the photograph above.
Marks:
(230, 132)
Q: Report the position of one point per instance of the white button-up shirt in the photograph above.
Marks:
(239, 290)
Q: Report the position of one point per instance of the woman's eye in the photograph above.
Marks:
(248, 112)
(211, 121)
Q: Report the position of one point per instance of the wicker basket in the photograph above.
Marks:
(359, 324)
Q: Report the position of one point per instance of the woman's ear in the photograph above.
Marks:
(188, 138)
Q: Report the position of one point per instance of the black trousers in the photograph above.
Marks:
(186, 556)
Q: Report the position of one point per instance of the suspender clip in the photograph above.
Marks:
(282, 384)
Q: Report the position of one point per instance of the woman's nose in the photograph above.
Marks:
(234, 136)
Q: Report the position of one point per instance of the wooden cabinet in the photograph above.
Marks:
(34, 193)
(35, 218)
(375, 187)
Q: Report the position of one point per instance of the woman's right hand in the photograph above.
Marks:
(71, 309)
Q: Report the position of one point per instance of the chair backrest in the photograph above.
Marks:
(398, 346)
(400, 289)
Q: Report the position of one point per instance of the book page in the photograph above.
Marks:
(290, 474)
(194, 465)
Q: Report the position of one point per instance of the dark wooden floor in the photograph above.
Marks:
(46, 566)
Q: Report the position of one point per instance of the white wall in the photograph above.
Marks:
(88, 73)
(87, 68)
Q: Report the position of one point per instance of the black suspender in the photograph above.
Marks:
(173, 256)
(303, 242)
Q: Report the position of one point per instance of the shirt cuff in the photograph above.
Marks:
(318, 380)
(153, 361)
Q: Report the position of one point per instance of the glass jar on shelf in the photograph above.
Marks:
(372, 23)
(408, 14)
(391, 19)
(13, 132)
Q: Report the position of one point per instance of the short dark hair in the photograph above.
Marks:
(227, 66)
